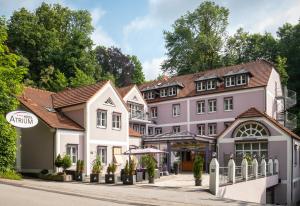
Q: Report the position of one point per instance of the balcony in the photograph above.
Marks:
(289, 97)
(139, 116)
(289, 119)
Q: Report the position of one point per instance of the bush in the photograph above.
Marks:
(58, 161)
(66, 162)
(97, 166)
(44, 171)
(132, 167)
(150, 164)
(126, 169)
(198, 167)
(10, 174)
(113, 168)
(79, 166)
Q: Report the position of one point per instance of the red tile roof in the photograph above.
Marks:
(75, 96)
(40, 103)
(133, 133)
(260, 71)
(124, 90)
(253, 112)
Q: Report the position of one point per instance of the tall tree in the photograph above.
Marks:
(11, 76)
(55, 36)
(196, 40)
(138, 76)
(81, 79)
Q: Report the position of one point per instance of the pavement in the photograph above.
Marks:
(169, 190)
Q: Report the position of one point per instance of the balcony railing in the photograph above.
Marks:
(289, 119)
(289, 97)
(139, 115)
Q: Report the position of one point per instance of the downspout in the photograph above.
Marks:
(292, 169)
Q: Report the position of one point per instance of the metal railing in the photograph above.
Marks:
(290, 98)
(140, 115)
(223, 175)
(289, 119)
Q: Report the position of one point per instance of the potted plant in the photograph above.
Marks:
(110, 177)
(66, 163)
(95, 176)
(176, 167)
(129, 173)
(139, 175)
(197, 170)
(79, 170)
(58, 162)
(150, 164)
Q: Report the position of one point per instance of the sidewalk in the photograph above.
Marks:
(140, 194)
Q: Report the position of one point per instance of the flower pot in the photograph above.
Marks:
(198, 182)
(129, 179)
(139, 176)
(79, 176)
(110, 178)
(95, 178)
(151, 180)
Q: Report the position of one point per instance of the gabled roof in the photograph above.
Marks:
(40, 103)
(260, 71)
(76, 96)
(253, 112)
(124, 90)
(133, 133)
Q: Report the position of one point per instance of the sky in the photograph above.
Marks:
(136, 26)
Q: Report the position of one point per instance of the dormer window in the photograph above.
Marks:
(149, 95)
(241, 79)
(230, 81)
(172, 91)
(163, 92)
(201, 86)
(211, 84)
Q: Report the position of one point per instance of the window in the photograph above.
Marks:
(230, 81)
(201, 86)
(163, 92)
(176, 110)
(176, 129)
(251, 129)
(241, 79)
(149, 95)
(212, 105)
(211, 84)
(201, 129)
(117, 150)
(136, 127)
(142, 129)
(212, 129)
(150, 130)
(72, 151)
(172, 91)
(158, 130)
(116, 120)
(228, 104)
(154, 112)
(251, 148)
(102, 153)
(101, 118)
(201, 107)
(109, 102)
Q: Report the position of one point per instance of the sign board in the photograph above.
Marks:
(22, 119)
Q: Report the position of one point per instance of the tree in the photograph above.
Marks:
(53, 35)
(52, 79)
(11, 76)
(81, 79)
(138, 76)
(196, 41)
(281, 67)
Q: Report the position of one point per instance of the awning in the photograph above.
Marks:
(141, 151)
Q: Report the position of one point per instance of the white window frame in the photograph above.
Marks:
(150, 130)
(228, 104)
(201, 86)
(142, 129)
(212, 129)
(251, 150)
(176, 110)
(72, 151)
(201, 129)
(102, 153)
(163, 92)
(116, 121)
(158, 130)
(172, 91)
(153, 111)
(211, 84)
(101, 118)
(212, 105)
(230, 81)
(200, 106)
(241, 79)
(176, 129)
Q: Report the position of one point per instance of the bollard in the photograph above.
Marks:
(255, 167)
(231, 170)
(276, 166)
(245, 169)
(270, 167)
(214, 175)
(263, 167)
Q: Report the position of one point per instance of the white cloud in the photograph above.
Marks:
(152, 68)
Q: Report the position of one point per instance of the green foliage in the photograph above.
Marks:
(10, 174)
(196, 39)
(132, 167)
(79, 166)
(52, 79)
(150, 163)
(58, 161)
(81, 79)
(198, 167)
(97, 166)
(126, 168)
(138, 76)
(66, 162)
(281, 67)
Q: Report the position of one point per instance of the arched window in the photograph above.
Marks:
(251, 129)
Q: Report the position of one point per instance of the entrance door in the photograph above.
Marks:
(188, 158)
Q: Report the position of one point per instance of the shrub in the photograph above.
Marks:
(10, 174)
(66, 162)
(79, 166)
(97, 166)
(132, 167)
(198, 167)
(58, 161)
(44, 171)
(150, 164)
(126, 169)
(113, 168)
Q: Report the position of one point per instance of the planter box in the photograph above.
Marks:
(198, 182)
(95, 178)
(56, 177)
(110, 178)
(139, 176)
(79, 176)
(129, 179)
